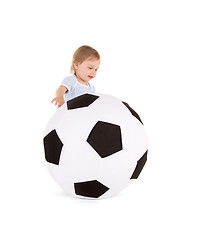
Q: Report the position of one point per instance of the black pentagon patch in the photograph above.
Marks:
(105, 138)
(132, 112)
(52, 147)
(93, 189)
(81, 101)
(139, 166)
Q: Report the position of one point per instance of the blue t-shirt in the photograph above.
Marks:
(75, 88)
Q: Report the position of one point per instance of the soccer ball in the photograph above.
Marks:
(95, 145)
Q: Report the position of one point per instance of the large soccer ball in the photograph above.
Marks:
(95, 146)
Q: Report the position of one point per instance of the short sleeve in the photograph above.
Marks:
(69, 82)
(93, 89)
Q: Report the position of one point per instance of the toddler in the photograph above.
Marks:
(85, 64)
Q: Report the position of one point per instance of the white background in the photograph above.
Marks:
(155, 56)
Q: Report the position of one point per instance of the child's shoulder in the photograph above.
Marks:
(69, 82)
(71, 79)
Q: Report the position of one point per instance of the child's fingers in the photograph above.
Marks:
(53, 100)
(57, 102)
(60, 104)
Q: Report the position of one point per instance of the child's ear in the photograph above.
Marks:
(76, 65)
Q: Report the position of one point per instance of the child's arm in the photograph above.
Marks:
(59, 99)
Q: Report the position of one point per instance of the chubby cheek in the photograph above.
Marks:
(86, 71)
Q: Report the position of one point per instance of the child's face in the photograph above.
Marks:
(87, 70)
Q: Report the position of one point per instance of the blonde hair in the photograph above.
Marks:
(81, 54)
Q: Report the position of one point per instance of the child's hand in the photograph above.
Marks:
(58, 101)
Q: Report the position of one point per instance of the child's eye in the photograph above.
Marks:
(90, 68)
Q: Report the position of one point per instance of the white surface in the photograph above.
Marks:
(155, 57)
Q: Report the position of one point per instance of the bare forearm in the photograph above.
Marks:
(60, 91)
